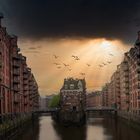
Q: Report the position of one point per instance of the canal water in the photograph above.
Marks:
(44, 128)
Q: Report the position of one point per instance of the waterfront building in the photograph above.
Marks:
(105, 95)
(73, 94)
(73, 100)
(5, 95)
(18, 88)
(124, 87)
(94, 99)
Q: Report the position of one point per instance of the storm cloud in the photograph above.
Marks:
(36, 19)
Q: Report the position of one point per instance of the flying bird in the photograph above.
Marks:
(88, 65)
(82, 73)
(55, 56)
(111, 54)
(104, 64)
(73, 56)
(56, 63)
(59, 67)
(66, 65)
(100, 65)
(109, 62)
(77, 58)
(69, 69)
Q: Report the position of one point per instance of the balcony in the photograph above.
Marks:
(138, 77)
(16, 64)
(16, 99)
(126, 92)
(138, 70)
(138, 62)
(25, 95)
(25, 70)
(16, 72)
(17, 89)
(25, 103)
(0, 76)
(1, 97)
(16, 80)
(126, 86)
(25, 82)
(25, 76)
(127, 99)
(16, 57)
(125, 68)
(0, 50)
(25, 88)
(0, 63)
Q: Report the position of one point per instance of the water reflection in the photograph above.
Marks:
(70, 133)
(45, 128)
(31, 131)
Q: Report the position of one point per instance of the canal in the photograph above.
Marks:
(44, 128)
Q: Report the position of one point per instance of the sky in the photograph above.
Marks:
(90, 29)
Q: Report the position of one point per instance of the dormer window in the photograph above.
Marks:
(71, 86)
(66, 86)
(80, 86)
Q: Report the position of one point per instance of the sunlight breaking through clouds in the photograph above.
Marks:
(94, 52)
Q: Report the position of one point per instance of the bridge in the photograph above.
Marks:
(88, 109)
(107, 109)
(51, 110)
(100, 111)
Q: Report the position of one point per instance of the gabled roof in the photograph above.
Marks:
(69, 81)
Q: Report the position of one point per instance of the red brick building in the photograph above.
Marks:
(18, 87)
(124, 87)
(94, 99)
(73, 94)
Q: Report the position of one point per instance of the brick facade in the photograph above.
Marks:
(18, 87)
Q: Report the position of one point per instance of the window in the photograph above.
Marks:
(71, 86)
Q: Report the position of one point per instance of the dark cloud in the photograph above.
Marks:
(73, 18)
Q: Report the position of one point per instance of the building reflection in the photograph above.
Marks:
(71, 132)
(31, 131)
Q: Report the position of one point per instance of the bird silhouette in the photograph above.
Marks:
(77, 58)
(109, 62)
(88, 65)
(59, 67)
(82, 73)
(56, 63)
(100, 65)
(66, 65)
(104, 64)
(73, 56)
(69, 69)
(55, 56)
(111, 54)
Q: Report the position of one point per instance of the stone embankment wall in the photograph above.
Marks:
(129, 116)
(11, 128)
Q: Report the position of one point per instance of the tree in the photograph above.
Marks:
(54, 102)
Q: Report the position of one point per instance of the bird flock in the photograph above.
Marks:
(76, 58)
(106, 63)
